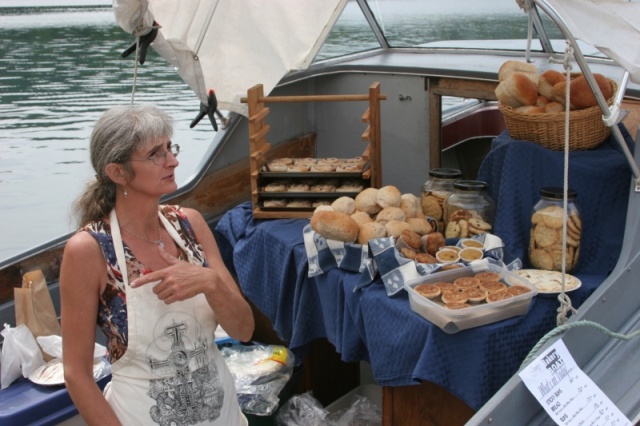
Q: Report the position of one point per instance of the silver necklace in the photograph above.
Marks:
(140, 237)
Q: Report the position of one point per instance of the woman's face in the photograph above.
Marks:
(153, 168)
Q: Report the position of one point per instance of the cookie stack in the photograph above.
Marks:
(545, 246)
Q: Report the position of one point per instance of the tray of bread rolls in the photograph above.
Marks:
(319, 188)
(315, 167)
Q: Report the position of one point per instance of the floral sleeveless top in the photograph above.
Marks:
(112, 309)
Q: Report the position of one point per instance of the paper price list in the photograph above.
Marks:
(566, 393)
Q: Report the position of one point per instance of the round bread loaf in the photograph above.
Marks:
(542, 101)
(361, 217)
(345, 205)
(335, 225)
(547, 80)
(323, 208)
(530, 109)
(581, 95)
(366, 201)
(420, 225)
(370, 231)
(553, 107)
(395, 227)
(410, 205)
(517, 90)
(390, 213)
(388, 196)
(526, 68)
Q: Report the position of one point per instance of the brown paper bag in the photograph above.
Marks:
(34, 307)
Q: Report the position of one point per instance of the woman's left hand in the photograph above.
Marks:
(179, 281)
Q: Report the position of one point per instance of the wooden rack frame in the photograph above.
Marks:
(259, 147)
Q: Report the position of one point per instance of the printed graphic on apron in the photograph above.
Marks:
(189, 389)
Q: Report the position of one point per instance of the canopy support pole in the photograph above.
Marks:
(609, 115)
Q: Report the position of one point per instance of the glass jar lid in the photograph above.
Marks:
(470, 185)
(445, 173)
(557, 193)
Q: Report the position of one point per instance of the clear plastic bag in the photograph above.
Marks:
(260, 373)
(305, 410)
(362, 412)
(302, 410)
(21, 354)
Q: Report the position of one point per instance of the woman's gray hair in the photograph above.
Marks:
(118, 133)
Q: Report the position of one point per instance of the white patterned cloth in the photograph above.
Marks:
(324, 255)
(381, 256)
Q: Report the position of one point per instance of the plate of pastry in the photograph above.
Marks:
(549, 282)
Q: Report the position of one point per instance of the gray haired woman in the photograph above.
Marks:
(153, 277)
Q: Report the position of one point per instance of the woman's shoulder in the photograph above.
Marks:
(190, 214)
(82, 244)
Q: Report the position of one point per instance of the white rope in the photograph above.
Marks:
(135, 70)
(529, 35)
(565, 302)
(582, 323)
(139, 31)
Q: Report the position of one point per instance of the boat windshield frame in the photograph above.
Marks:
(546, 38)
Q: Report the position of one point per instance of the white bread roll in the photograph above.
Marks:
(553, 107)
(335, 226)
(361, 217)
(395, 227)
(526, 68)
(547, 80)
(323, 208)
(345, 205)
(390, 213)
(370, 231)
(388, 196)
(420, 225)
(410, 205)
(517, 90)
(366, 201)
(530, 109)
(542, 101)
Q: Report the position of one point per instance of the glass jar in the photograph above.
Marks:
(546, 243)
(436, 190)
(469, 211)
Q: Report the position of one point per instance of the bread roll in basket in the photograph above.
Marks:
(586, 128)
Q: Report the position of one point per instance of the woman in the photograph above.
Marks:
(154, 279)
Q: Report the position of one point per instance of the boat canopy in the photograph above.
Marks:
(232, 46)
(229, 46)
(611, 26)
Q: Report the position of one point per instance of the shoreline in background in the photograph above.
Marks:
(53, 3)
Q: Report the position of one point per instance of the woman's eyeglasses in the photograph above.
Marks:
(159, 157)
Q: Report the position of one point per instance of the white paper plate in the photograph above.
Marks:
(52, 373)
(549, 282)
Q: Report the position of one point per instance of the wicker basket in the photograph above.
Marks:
(586, 128)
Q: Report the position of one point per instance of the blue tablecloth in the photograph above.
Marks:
(269, 259)
(516, 170)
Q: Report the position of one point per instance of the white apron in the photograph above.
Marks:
(172, 372)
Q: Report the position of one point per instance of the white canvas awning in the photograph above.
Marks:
(611, 26)
(230, 46)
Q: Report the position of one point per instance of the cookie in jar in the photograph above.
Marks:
(469, 211)
(546, 238)
(435, 192)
